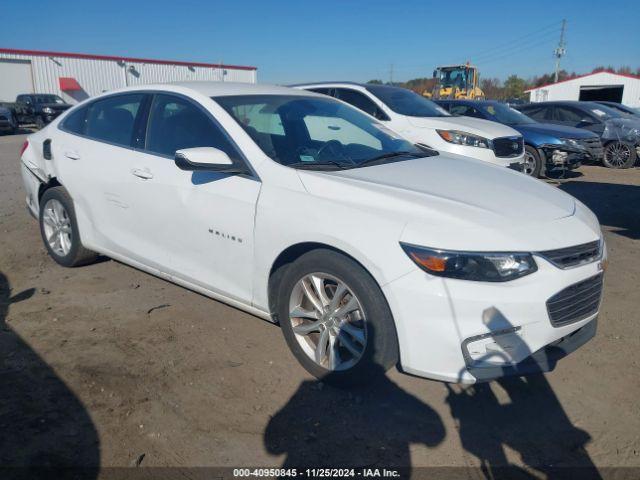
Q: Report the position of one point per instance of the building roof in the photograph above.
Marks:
(86, 56)
(636, 77)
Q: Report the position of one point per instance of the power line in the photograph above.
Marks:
(517, 46)
(517, 51)
(541, 32)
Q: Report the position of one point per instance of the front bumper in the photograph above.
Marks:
(466, 332)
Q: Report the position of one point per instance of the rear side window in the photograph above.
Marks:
(458, 109)
(112, 119)
(323, 91)
(176, 123)
(76, 121)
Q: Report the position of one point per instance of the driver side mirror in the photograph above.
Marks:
(207, 159)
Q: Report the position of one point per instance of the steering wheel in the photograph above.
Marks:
(332, 146)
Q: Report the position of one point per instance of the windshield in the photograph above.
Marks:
(407, 102)
(310, 132)
(499, 112)
(603, 112)
(47, 99)
(456, 77)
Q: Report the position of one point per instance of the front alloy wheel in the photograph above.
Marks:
(619, 155)
(328, 321)
(334, 318)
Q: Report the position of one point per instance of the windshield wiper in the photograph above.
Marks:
(386, 156)
(323, 164)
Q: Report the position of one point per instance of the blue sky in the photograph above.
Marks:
(293, 41)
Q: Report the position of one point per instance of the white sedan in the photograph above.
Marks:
(367, 250)
(426, 123)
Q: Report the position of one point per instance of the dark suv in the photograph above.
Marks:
(619, 132)
(38, 108)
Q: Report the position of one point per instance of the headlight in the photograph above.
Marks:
(47, 110)
(571, 142)
(478, 266)
(463, 138)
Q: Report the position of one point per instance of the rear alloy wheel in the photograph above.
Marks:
(619, 155)
(532, 163)
(59, 229)
(335, 318)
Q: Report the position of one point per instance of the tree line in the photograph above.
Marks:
(513, 87)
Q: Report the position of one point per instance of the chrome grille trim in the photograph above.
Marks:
(576, 302)
(575, 256)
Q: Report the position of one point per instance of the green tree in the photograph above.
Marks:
(375, 82)
(514, 87)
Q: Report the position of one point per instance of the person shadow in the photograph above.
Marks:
(366, 426)
(45, 431)
(522, 414)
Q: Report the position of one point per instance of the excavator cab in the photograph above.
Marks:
(457, 82)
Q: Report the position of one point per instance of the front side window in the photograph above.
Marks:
(407, 102)
(112, 119)
(537, 113)
(318, 132)
(176, 123)
(360, 101)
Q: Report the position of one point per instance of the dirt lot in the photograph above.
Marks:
(103, 364)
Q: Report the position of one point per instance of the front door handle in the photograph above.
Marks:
(72, 155)
(142, 173)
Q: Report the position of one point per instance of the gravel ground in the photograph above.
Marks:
(107, 366)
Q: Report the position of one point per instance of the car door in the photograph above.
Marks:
(93, 156)
(194, 226)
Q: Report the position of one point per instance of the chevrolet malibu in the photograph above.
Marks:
(368, 251)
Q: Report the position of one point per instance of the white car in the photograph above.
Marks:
(426, 123)
(367, 250)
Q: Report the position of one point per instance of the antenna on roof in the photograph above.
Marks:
(560, 51)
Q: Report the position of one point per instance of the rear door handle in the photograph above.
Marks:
(142, 173)
(72, 155)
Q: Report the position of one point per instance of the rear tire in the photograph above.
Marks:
(619, 155)
(532, 162)
(360, 343)
(59, 229)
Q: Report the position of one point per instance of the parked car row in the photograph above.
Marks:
(367, 249)
(38, 109)
(548, 147)
(618, 131)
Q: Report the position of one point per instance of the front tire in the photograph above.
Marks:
(40, 122)
(532, 162)
(335, 319)
(619, 155)
(59, 229)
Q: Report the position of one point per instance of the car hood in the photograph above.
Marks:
(554, 130)
(458, 202)
(475, 126)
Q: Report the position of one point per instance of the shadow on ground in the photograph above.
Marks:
(374, 426)
(43, 425)
(615, 205)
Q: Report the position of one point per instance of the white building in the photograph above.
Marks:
(604, 86)
(76, 76)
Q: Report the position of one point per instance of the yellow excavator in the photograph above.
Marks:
(456, 82)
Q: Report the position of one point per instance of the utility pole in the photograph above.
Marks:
(391, 74)
(560, 51)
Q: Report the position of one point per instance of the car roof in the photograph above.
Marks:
(568, 103)
(216, 89)
(326, 83)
